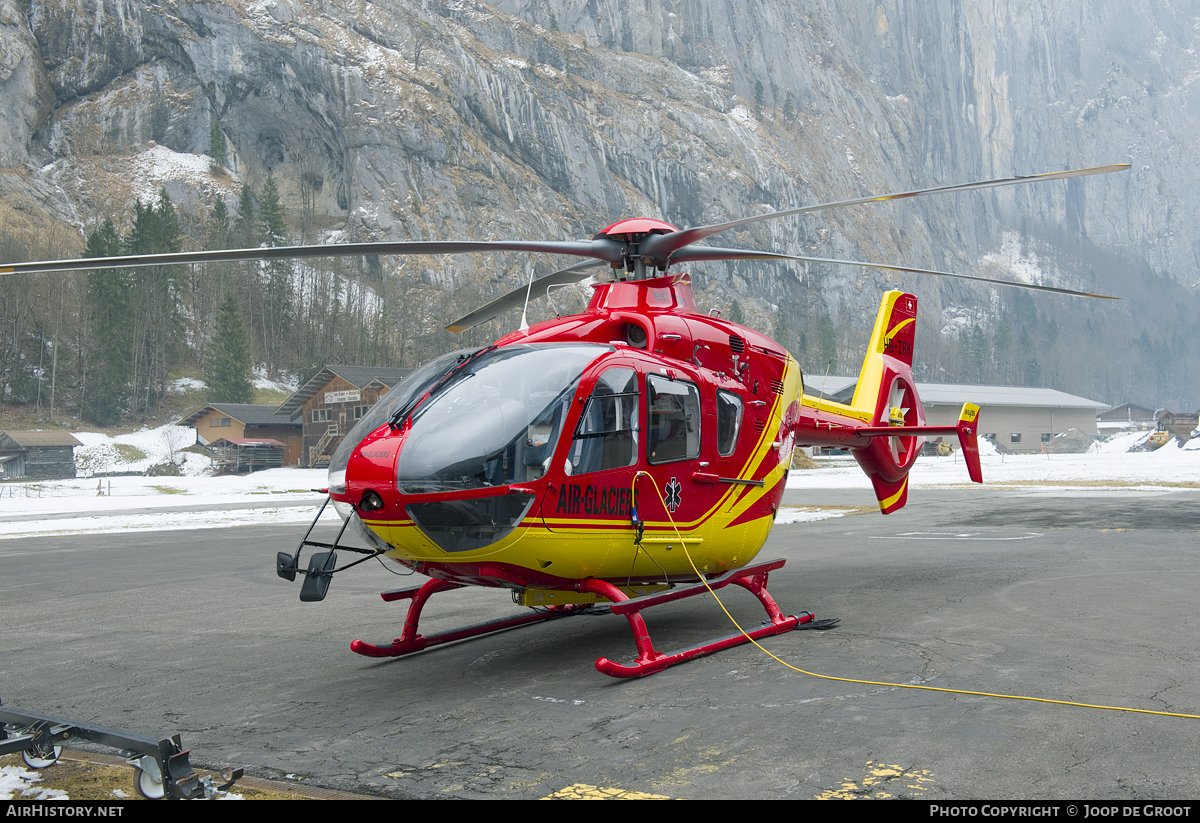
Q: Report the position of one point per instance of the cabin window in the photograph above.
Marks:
(606, 436)
(674, 412)
(220, 422)
(321, 415)
(729, 422)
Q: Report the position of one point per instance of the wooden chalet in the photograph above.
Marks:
(332, 402)
(246, 420)
(37, 455)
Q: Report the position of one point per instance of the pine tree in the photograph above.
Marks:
(228, 369)
(277, 290)
(209, 281)
(245, 231)
(826, 345)
(243, 234)
(216, 230)
(780, 330)
(157, 326)
(106, 358)
(169, 237)
(272, 231)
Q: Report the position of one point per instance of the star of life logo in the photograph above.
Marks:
(673, 493)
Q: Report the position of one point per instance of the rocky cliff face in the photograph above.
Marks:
(430, 119)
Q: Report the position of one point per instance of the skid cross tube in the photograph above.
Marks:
(411, 641)
(649, 661)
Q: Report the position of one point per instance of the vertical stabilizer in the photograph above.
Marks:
(968, 437)
(887, 390)
(892, 340)
(891, 496)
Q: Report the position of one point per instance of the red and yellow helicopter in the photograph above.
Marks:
(635, 453)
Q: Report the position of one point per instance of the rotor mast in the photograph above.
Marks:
(633, 264)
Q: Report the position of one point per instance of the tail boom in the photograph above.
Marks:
(884, 425)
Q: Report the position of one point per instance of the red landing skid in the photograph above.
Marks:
(648, 661)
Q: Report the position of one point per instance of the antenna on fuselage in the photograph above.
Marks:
(524, 322)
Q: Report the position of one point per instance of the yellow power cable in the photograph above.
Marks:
(688, 554)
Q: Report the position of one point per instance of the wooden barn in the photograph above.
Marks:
(246, 454)
(37, 455)
(1126, 416)
(333, 401)
(241, 420)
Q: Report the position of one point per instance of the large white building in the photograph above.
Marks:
(1018, 418)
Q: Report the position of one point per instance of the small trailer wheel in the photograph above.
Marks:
(41, 758)
(148, 785)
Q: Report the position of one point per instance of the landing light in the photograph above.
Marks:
(371, 501)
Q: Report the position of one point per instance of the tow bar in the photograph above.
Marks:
(161, 767)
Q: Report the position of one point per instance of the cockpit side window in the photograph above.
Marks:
(606, 436)
(729, 422)
(674, 417)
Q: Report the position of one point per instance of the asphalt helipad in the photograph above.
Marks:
(1084, 596)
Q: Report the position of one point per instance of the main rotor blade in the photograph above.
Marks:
(664, 246)
(516, 297)
(697, 253)
(604, 249)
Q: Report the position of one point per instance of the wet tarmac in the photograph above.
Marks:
(1078, 596)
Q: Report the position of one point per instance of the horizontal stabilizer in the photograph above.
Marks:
(967, 431)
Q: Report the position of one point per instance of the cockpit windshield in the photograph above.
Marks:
(402, 395)
(496, 421)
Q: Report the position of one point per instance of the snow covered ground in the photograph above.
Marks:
(1109, 465)
(123, 504)
(19, 782)
(261, 380)
(106, 505)
(193, 501)
(101, 453)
